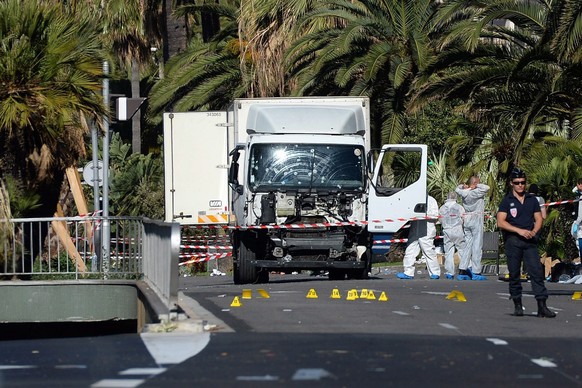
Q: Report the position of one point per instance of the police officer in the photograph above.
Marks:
(520, 219)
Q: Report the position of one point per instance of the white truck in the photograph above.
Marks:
(295, 181)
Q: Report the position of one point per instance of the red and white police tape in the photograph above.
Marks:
(203, 258)
(398, 240)
(219, 247)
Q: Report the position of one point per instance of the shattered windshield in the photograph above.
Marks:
(306, 167)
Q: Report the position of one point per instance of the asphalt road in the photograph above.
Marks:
(418, 306)
(280, 337)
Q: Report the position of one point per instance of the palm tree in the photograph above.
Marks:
(175, 31)
(134, 34)
(267, 28)
(555, 164)
(130, 30)
(243, 59)
(206, 75)
(373, 48)
(50, 69)
(498, 57)
(567, 46)
(520, 83)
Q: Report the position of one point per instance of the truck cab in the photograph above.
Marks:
(303, 190)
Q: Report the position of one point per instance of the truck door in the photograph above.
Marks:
(397, 189)
(196, 167)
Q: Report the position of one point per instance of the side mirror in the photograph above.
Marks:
(233, 173)
(370, 162)
(233, 170)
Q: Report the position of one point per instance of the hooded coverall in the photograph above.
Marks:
(417, 241)
(454, 237)
(474, 204)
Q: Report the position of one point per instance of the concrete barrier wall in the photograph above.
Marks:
(67, 301)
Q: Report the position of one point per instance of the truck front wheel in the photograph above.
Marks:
(244, 271)
(362, 273)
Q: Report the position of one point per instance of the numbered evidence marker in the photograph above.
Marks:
(311, 294)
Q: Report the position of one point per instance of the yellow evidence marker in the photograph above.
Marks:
(311, 294)
(455, 294)
(235, 302)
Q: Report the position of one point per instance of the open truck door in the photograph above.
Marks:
(397, 192)
(196, 168)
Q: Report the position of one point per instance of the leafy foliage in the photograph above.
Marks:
(368, 47)
(50, 69)
(137, 182)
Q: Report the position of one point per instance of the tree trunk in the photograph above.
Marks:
(210, 25)
(175, 32)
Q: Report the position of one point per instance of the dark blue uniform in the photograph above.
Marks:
(518, 248)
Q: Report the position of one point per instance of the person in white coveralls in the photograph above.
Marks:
(450, 215)
(473, 195)
(419, 240)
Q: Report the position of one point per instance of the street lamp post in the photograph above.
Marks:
(105, 234)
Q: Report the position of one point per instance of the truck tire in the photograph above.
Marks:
(263, 276)
(337, 274)
(243, 271)
(362, 273)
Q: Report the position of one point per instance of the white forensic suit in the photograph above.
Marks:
(451, 214)
(474, 204)
(420, 241)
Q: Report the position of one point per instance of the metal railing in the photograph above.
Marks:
(161, 249)
(72, 248)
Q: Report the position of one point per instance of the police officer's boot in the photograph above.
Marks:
(518, 312)
(544, 311)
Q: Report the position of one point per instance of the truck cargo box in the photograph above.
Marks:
(196, 168)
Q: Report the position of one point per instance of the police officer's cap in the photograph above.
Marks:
(517, 173)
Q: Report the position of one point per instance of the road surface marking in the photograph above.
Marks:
(497, 341)
(543, 363)
(8, 367)
(257, 378)
(143, 371)
(118, 383)
(311, 374)
(174, 348)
